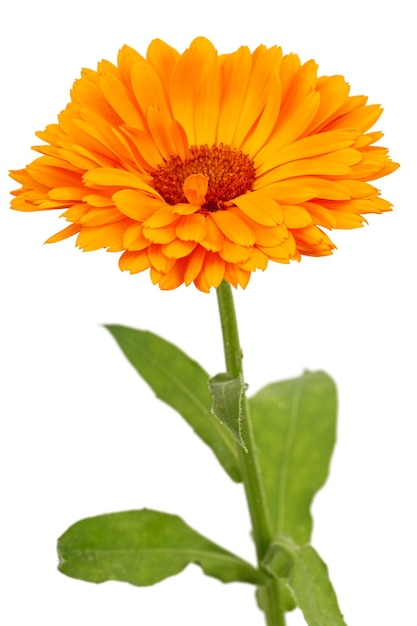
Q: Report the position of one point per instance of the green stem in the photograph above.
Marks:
(249, 464)
(271, 599)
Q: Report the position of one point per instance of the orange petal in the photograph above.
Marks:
(212, 270)
(234, 253)
(301, 189)
(178, 249)
(257, 261)
(271, 236)
(97, 200)
(133, 238)
(147, 88)
(174, 277)
(194, 265)
(66, 193)
(260, 208)
(236, 71)
(69, 231)
(139, 206)
(162, 217)
(191, 227)
(109, 236)
(214, 237)
(183, 208)
(235, 228)
(113, 177)
(98, 217)
(163, 59)
(296, 216)
(195, 92)
(134, 262)
(195, 188)
(120, 98)
(158, 260)
(236, 275)
(162, 235)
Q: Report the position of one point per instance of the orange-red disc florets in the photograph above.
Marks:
(230, 174)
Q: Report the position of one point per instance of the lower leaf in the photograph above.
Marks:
(142, 548)
(313, 591)
(307, 577)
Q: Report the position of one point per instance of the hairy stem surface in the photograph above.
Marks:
(252, 480)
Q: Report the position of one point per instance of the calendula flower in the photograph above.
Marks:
(203, 167)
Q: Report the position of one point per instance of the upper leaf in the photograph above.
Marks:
(142, 548)
(294, 424)
(227, 395)
(183, 384)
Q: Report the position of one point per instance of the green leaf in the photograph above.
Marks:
(313, 590)
(227, 395)
(142, 548)
(308, 580)
(294, 425)
(183, 384)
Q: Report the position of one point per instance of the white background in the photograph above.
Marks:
(81, 433)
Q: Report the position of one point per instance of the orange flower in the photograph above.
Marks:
(203, 167)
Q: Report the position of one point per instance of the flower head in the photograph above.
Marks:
(203, 167)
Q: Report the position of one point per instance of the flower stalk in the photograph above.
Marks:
(249, 463)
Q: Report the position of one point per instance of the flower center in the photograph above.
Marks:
(230, 173)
